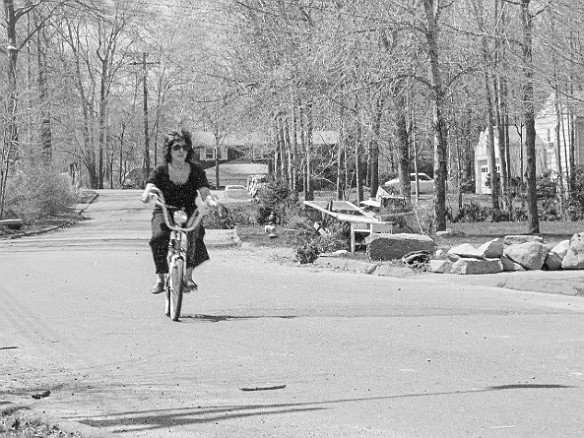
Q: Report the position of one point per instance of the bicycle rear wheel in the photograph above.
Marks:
(175, 288)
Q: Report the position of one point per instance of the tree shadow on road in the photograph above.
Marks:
(156, 419)
(223, 318)
(151, 420)
(529, 386)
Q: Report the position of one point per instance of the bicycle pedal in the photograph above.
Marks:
(189, 287)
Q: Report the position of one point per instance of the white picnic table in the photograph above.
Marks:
(362, 222)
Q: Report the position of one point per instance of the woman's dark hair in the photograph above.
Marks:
(173, 137)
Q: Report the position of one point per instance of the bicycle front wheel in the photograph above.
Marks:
(175, 286)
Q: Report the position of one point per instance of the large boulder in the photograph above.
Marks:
(464, 250)
(493, 249)
(476, 266)
(530, 255)
(574, 258)
(561, 249)
(384, 246)
(553, 262)
(509, 265)
(439, 266)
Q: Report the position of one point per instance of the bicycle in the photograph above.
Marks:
(179, 225)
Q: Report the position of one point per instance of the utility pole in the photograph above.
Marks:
(146, 156)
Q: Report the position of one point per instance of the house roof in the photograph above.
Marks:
(207, 138)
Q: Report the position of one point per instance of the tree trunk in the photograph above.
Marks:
(559, 148)
(46, 132)
(276, 138)
(504, 181)
(289, 170)
(284, 152)
(357, 149)
(441, 130)
(11, 128)
(294, 145)
(403, 147)
(102, 121)
(146, 155)
(10, 147)
(340, 148)
(374, 148)
(217, 162)
(500, 87)
(529, 115)
(308, 190)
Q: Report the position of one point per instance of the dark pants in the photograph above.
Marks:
(196, 249)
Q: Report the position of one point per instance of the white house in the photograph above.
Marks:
(547, 128)
(517, 156)
(549, 157)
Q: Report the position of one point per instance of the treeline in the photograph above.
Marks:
(95, 84)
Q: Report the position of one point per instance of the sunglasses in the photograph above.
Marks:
(178, 147)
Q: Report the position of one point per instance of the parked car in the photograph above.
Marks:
(236, 191)
(425, 183)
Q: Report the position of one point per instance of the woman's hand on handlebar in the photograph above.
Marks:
(148, 192)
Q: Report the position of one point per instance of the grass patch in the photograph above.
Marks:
(552, 232)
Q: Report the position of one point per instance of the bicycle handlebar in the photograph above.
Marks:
(195, 219)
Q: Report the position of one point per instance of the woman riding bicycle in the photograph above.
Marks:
(180, 181)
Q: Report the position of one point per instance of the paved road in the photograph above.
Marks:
(273, 350)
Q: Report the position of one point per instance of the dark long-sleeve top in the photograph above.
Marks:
(179, 195)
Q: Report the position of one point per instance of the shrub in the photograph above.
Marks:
(549, 210)
(311, 244)
(472, 212)
(576, 206)
(274, 193)
(306, 253)
(468, 186)
(39, 192)
(231, 216)
(329, 243)
(546, 187)
(277, 197)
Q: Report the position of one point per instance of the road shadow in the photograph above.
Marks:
(135, 421)
(529, 386)
(224, 318)
(152, 420)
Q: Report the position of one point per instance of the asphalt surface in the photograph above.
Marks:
(269, 348)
